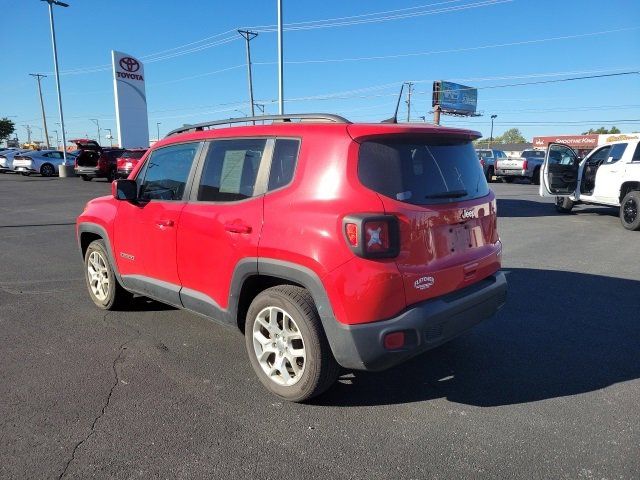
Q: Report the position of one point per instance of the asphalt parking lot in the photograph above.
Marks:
(549, 388)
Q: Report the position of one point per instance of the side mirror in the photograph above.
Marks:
(124, 190)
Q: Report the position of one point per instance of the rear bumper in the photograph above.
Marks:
(500, 172)
(90, 171)
(426, 325)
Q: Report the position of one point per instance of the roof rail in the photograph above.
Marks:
(327, 117)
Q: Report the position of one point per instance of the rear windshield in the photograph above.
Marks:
(485, 153)
(422, 171)
(134, 154)
(533, 154)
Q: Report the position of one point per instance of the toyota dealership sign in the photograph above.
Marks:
(131, 101)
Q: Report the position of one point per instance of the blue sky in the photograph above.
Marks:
(206, 79)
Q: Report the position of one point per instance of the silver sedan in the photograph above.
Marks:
(44, 162)
(6, 159)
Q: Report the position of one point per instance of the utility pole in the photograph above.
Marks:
(28, 128)
(158, 131)
(280, 63)
(38, 76)
(55, 64)
(491, 137)
(95, 120)
(248, 36)
(57, 139)
(409, 84)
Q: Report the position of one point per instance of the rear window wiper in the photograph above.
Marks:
(450, 194)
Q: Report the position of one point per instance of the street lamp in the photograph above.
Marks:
(55, 64)
(95, 120)
(110, 137)
(57, 139)
(158, 131)
(491, 137)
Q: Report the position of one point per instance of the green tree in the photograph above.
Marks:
(601, 131)
(512, 135)
(7, 127)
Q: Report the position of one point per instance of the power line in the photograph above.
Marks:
(453, 50)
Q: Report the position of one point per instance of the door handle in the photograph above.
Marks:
(164, 223)
(237, 228)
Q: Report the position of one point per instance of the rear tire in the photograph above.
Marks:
(630, 210)
(86, 178)
(564, 205)
(489, 174)
(536, 177)
(26, 174)
(103, 286)
(47, 170)
(287, 347)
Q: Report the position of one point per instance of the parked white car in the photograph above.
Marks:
(6, 158)
(44, 162)
(609, 175)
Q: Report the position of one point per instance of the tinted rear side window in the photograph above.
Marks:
(422, 172)
(285, 155)
(230, 170)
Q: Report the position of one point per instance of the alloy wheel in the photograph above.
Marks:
(630, 211)
(98, 273)
(279, 346)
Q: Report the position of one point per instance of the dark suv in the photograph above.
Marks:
(94, 161)
(327, 243)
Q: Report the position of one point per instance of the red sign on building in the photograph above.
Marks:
(575, 141)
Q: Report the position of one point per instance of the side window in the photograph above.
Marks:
(616, 152)
(636, 154)
(285, 156)
(57, 155)
(562, 155)
(230, 170)
(600, 156)
(166, 172)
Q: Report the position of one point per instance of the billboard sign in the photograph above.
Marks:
(455, 98)
(575, 141)
(131, 101)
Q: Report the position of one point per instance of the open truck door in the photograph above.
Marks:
(559, 171)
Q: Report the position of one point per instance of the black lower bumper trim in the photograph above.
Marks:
(431, 323)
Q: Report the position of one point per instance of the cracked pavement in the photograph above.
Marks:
(549, 388)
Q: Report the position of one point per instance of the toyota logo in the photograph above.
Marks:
(129, 64)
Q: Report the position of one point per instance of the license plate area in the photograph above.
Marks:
(459, 238)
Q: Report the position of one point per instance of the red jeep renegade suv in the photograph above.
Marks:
(327, 243)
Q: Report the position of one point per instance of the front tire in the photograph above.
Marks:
(25, 174)
(630, 210)
(287, 347)
(563, 205)
(104, 289)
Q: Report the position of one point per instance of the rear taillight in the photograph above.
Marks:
(101, 163)
(482, 162)
(372, 236)
(525, 164)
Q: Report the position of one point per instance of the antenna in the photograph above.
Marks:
(394, 119)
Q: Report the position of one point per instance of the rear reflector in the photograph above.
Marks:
(351, 230)
(394, 340)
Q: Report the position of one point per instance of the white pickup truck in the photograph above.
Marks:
(609, 175)
(527, 165)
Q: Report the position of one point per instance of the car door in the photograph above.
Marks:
(220, 226)
(609, 175)
(145, 230)
(559, 171)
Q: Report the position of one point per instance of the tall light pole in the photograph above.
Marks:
(110, 137)
(158, 131)
(55, 64)
(57, 139)
(95, 120)
(248, 36)
(38, 76)
(280, 62)
(493, 117)
(28, 128)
